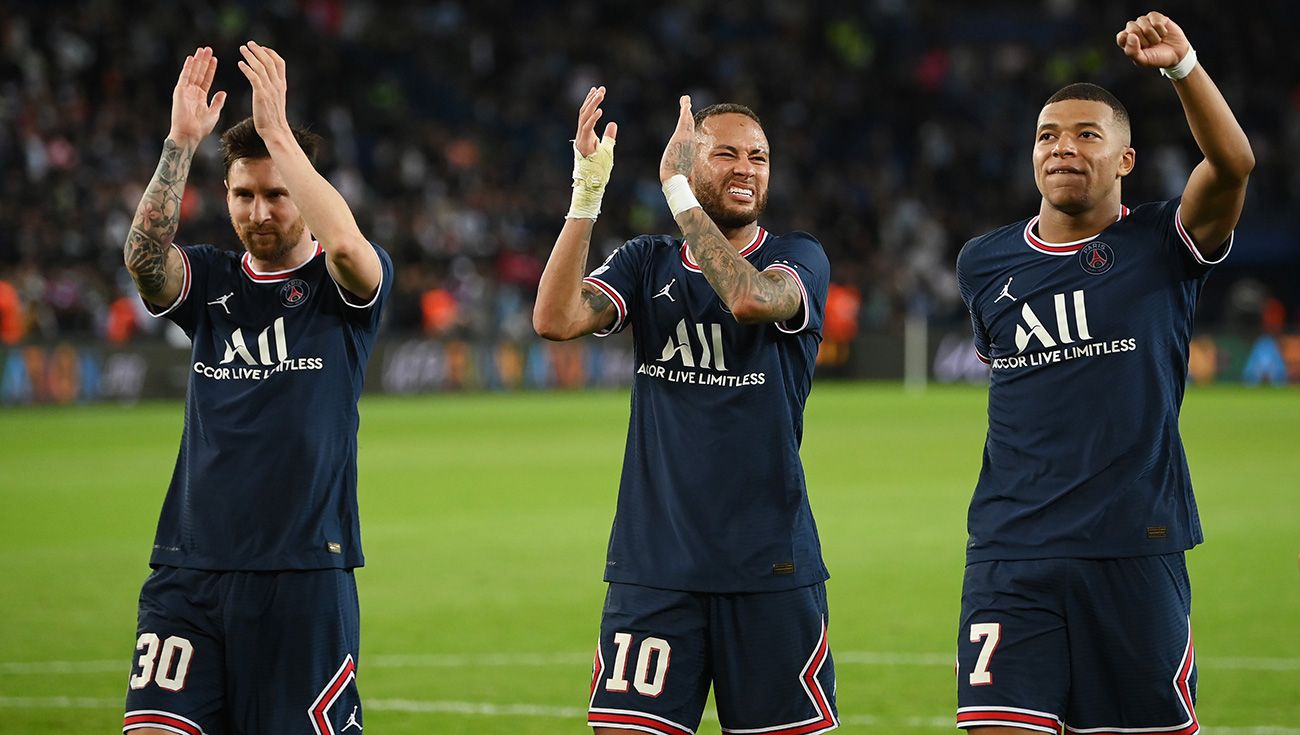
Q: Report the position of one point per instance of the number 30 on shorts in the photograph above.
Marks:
(653, 650)
(990, 634)
(166, 663)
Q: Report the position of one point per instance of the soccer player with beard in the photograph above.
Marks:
(249, 621)
(1075, 610)
(714, 566)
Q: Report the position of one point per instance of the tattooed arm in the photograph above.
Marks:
(566, 306)
(752, 296)
(155, 267)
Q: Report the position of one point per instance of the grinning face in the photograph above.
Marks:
(265, 218)
(731, 169)
(1080, 155)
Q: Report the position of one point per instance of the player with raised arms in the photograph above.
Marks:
(1076, 604)
(249, 622)
(714, 566)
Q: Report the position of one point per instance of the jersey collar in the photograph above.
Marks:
(1061, 248)
(257, 276)
(760, 237)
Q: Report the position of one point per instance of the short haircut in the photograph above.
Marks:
(725, 108)
(1092, 93)
(242, 141)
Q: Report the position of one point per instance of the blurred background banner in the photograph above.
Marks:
(899, 130)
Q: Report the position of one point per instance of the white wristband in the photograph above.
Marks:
(590, 175)
(1182, 68)
(677, 190)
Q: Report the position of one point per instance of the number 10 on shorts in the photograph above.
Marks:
(652, 650)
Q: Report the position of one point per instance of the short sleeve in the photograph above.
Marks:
(976, 323)
(197, 261)
(1188, 246)
(801, 256)
(369, 313)
(619, 278)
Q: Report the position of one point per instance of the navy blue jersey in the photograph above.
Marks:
(1088, 343)
(266, 478)
(712, 497)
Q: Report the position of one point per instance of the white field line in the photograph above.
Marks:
(484, 660)
(488, 709)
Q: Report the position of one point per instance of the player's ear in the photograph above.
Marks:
(1127, 161)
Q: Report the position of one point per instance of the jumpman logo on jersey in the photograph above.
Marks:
(222, 302)
(352, 721)
(1006, 291)
(664, 292)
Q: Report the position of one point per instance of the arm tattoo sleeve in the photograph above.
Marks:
(731, 275)
(157, 218)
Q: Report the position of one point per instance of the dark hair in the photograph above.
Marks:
(242, 141)
(724, 108)
(1092, 93)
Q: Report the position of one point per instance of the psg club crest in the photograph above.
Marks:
(293, 293)
(1096, 257)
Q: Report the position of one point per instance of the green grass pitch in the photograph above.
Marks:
(485, 519)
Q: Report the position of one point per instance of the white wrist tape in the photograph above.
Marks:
(677, 190)
(1182, 68)
(590, 175)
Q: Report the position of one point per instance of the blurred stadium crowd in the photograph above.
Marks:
(899, 130)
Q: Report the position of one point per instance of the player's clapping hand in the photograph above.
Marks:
(585, 140)
(1153, 40)
(679, 156)
(265, 71)
(193, 117)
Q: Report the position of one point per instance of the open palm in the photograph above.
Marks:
(193, 117)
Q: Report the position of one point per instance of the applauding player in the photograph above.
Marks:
(714, 562)
(1076, 604)
(249, 621)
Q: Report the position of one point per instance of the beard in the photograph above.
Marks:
(268, 249)
(723, 213)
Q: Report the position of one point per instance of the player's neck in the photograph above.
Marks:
(740, 237)
(300, 253)
(1057, 226)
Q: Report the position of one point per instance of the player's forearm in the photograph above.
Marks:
(751, 296)
(157, 218)
(1215, 128)
(559, 308)
(352, 260)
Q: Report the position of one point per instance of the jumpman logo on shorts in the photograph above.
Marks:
(352, 721)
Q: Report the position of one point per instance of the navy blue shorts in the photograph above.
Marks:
(1092, 645)
(765, 654)
(222, 653)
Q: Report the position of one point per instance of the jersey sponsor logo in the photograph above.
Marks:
(268, 355)
(294, 293)
(1096, 257)
(222, 302)
(701, 348)
(1061, 345)
(679, 345)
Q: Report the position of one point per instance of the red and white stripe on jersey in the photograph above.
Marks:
(803, 298)
(185, 288)
(348, 298)
(273, 276)
(160, 720)
(1026, 719)
(320, 721)
(620, 305)
(1183, 690)
(597, 671)
(760, 236)
(1061, 248)
(1187, 240)
(824, 720)
(982, 358)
